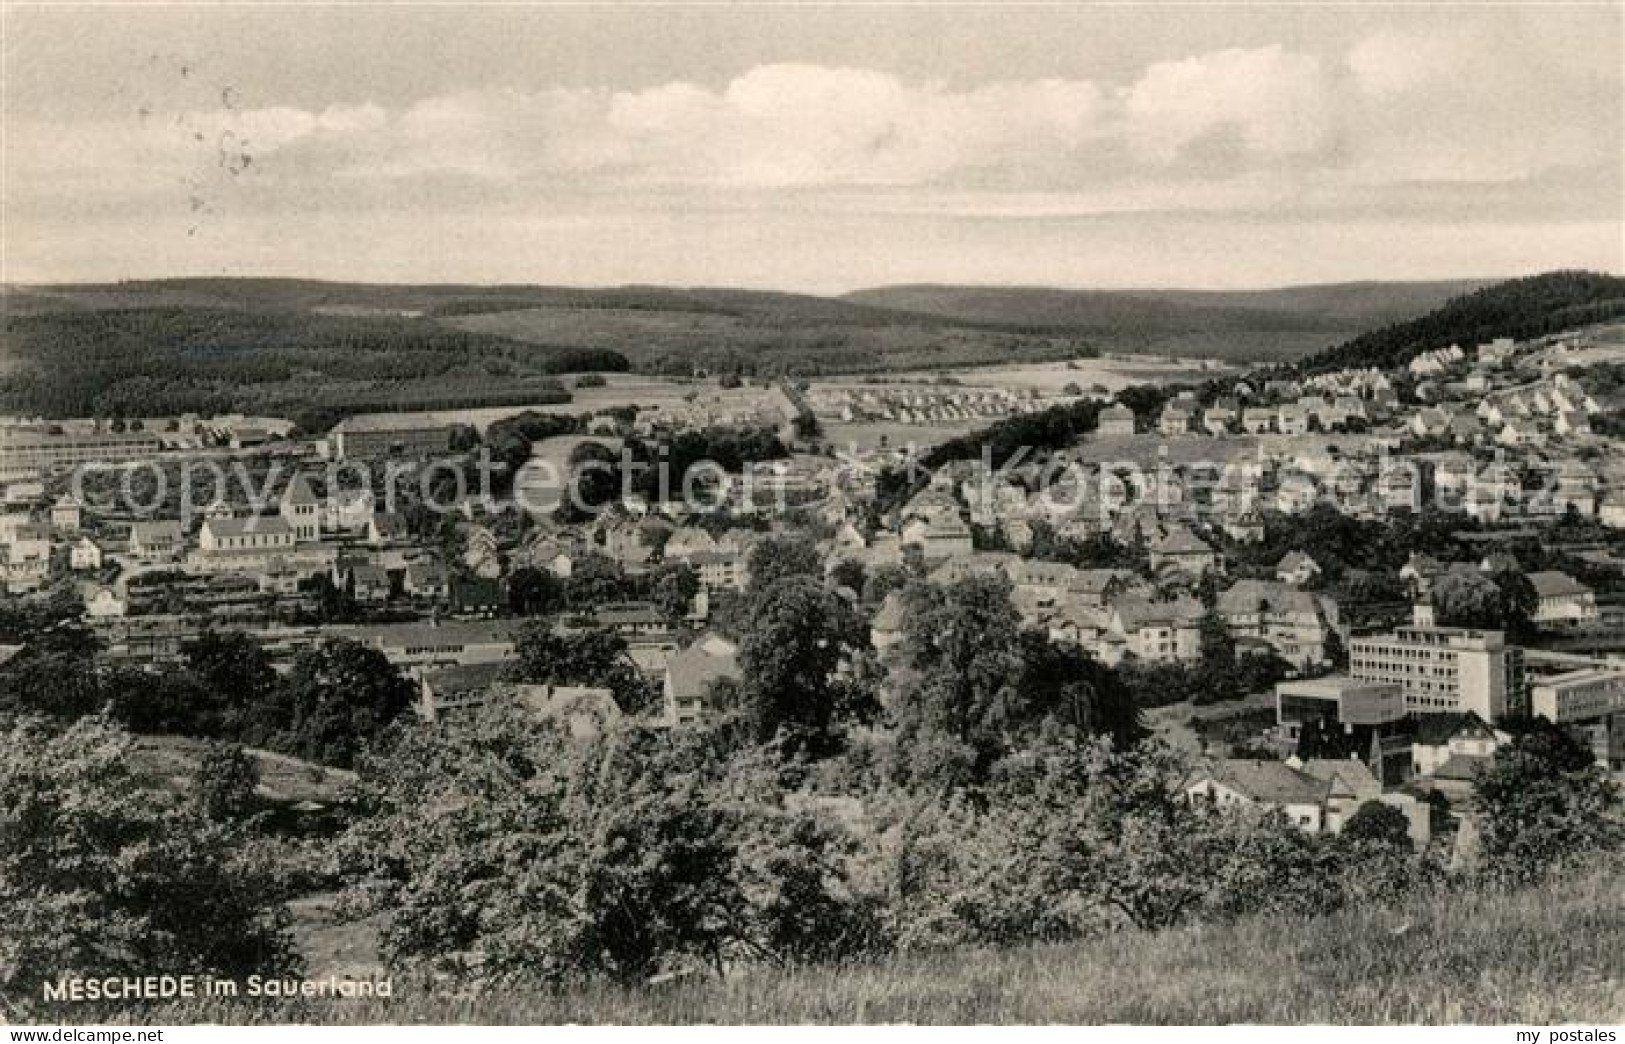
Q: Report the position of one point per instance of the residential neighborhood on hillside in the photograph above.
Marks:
(813, 514)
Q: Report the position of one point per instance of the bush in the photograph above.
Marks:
(100, 877)
(1544, 804)
(503, 850)
(1375, 821)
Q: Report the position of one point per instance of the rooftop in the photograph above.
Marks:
(1273, 782)
(369, 422)
(234, 527)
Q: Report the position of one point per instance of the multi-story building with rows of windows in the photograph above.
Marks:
(1445, 669)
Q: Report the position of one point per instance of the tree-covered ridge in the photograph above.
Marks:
(1520, 308)
(182, 359)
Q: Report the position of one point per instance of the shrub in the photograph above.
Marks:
(99, 876)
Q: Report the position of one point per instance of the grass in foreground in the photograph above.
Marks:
(1544, 956)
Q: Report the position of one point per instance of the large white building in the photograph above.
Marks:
(258, 534)
(1582, 695)
(1444, 669)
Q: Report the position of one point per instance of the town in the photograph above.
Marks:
(1346, 624)
(1148, 542)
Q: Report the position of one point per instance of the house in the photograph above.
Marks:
(581, 711)
(548, 554)
(1292, 419)
(720, 570)
(1454, 474)
(1437, 361)
(1454, 746)
(1098, 588)
(480, 554)
(301, 510)
(29, 543)
(1244, 527)
(1576, 488)
(11, 521)
(27, 560)
(1265, 786)
(347, 511)
(1219, 418)
(367, 582)
(1350, 783)
(1181, 549)
(939, 538)
(691, 674)
(1563, 600)
(456, 690)
(85, 554)
(66, 514)
(426, 579)
(1399, 485)
(1296, 624)
(1160, 632)
(156, 540)
(1258, 420)
(1296, 568)
(24, 492)
(1117, 420)
(1175, 420)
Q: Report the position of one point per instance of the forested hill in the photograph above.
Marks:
(1334, 308)
(173, 359)
(1520, 308)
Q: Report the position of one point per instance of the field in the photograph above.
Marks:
(1173, 723)
(891, 435)
(1048, 379)
(679, 341)
(648, 394)
(168, 762)
(1546, 956)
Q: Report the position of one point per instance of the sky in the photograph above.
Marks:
(811, 148)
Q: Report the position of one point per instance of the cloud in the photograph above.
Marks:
(1391, 62)
(1234, 132)
(1277, 103)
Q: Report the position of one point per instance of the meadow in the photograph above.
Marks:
(1545, 956)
